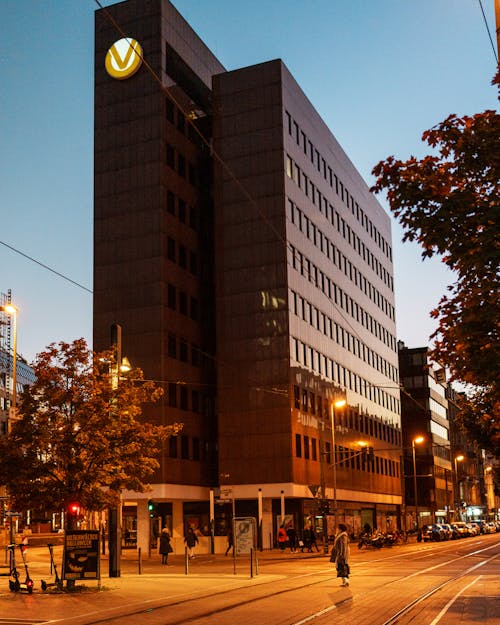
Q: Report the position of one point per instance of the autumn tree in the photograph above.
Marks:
(449, 203)
(79, 436)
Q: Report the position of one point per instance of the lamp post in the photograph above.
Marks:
(415, 441)
(337, 403)
(11, 310)
(456, 495)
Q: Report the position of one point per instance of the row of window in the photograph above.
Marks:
(295, 173)
(323, 243)
(179, 300)
(186, 214)
(187, 448)
(334, 331)
(179, 396)
(181, 349)
(178, 120)
(178, 162)
(333, 181)
(314, 404)
(178, 253)
(309, 270)
(308, 448)
(319, 363)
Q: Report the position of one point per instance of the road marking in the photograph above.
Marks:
(452, 601)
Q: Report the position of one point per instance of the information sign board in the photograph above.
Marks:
(81, 555)
(244, 534)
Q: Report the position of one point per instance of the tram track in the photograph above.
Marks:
(230, 601)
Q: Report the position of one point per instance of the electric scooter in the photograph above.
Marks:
(14, 584)
(57, 581)
(28, 584)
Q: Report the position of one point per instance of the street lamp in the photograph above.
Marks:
(415, 441)
(457, 459)
(336, 404)
(11, 310)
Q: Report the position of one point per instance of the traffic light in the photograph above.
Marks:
(74, 509)
(151, 508)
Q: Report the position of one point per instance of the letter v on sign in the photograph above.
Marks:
(123, 58)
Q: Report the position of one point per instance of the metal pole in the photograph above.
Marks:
(114, 525)
(415, 483)
(259, 514)
(334, 467)
(322, 485)
(212, 521)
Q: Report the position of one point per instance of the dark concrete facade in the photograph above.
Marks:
(251, 271)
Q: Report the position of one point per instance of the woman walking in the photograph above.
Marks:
(165, 547)
(340, 554)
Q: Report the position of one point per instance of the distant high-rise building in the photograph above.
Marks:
(251, 271)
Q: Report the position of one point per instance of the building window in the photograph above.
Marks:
(184, 447)
(171, 303)
(172, 446)
(182, 256)
(170, 156)
(172, 346)
(172, 395)
(298, 445)
(171, 249)
(171, 202)
(183, 398)
(296, 397)
(195, 401)
(182, 211)
(314, 451)
(170, 109)
(181, 165)
(194, 309)
(306, 447)
(183, 350)
(182, 303)
(196, 448)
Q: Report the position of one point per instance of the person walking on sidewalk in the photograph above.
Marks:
(230, 544)
(191, 539)
(282, 538)
(165, 546)
(340, 554)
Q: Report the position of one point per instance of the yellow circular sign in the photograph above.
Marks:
(123, 58)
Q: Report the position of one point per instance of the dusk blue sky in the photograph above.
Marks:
(379, 72)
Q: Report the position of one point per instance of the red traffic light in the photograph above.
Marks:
(74, 508)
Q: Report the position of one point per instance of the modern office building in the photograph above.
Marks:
(430, 466)
(251, 272)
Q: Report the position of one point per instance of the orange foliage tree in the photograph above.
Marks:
(79, 437)
(449, 202)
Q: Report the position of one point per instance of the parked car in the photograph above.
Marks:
(473, 529)
(432, 532)
(481, 525)
(448, 531)
(491, 527)
(460, 530)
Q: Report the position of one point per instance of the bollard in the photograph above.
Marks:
(139, 561)
(186, 561)
(251, 563)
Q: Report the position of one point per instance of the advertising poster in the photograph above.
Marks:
(244, 535)
(81, 555)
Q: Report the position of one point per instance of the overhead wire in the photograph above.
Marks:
(54, 271)
(488, 30)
